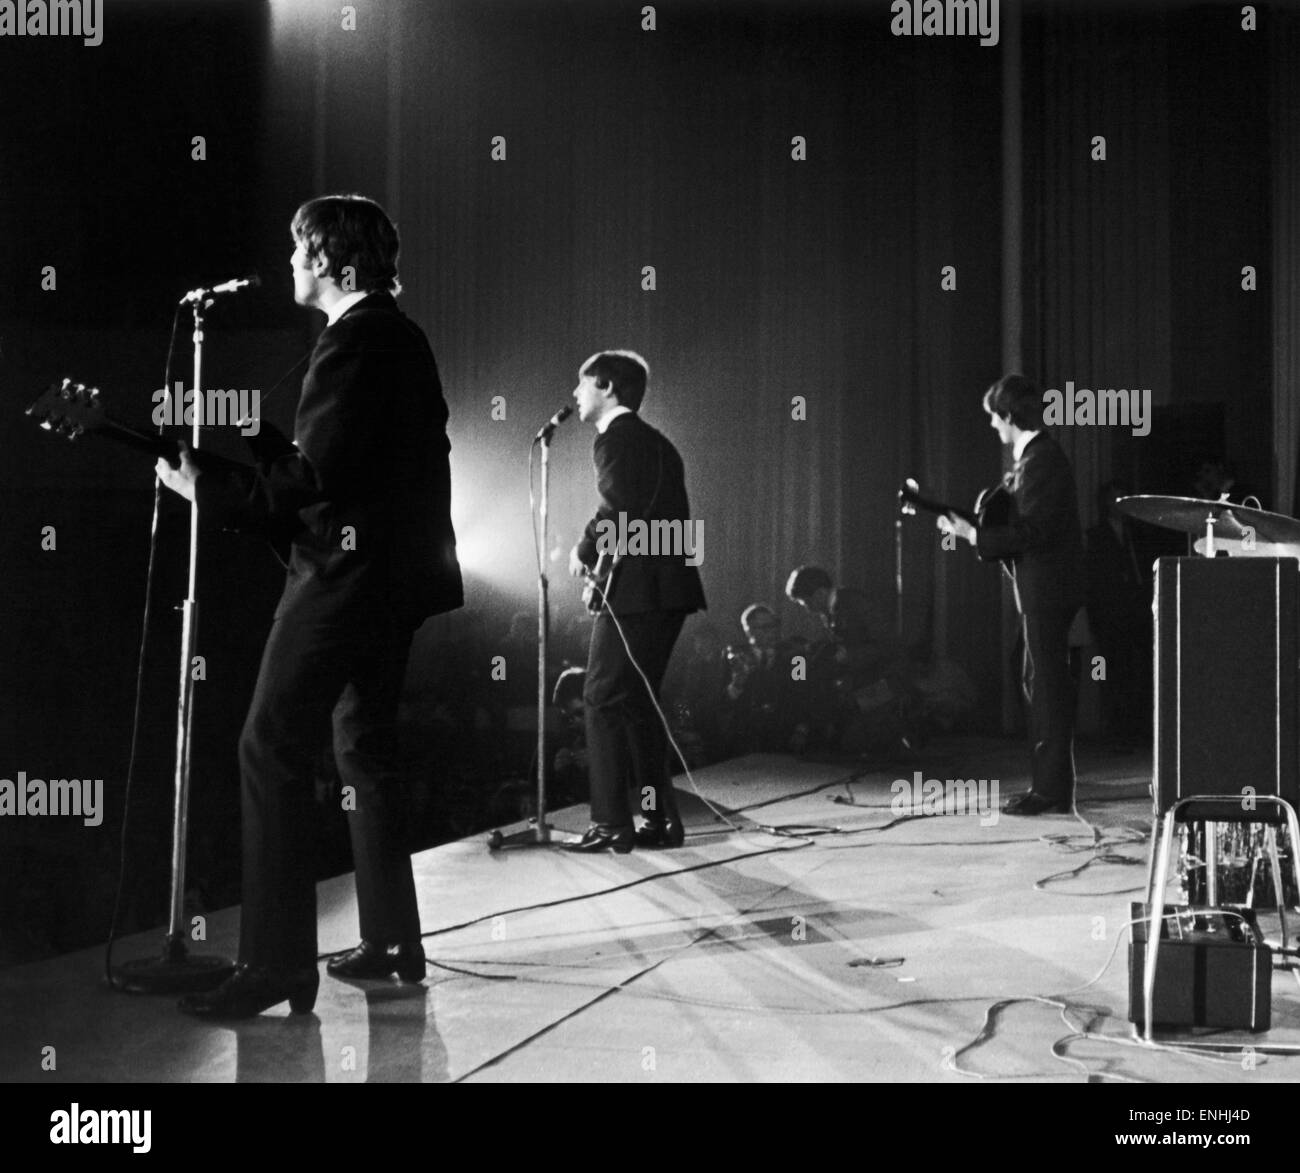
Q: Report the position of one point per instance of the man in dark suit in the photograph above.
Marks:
(1043, 542)
(363, 499)
(640, 478)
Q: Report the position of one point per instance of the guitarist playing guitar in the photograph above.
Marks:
(642, 607)
(1040, 540)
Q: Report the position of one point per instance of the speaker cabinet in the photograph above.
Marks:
(1226, 659)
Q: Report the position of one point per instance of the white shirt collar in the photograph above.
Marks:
(1022, 442)
(345, 303)
(610, 416)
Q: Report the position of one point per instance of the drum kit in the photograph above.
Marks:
(1224, 528)
(1221, 527)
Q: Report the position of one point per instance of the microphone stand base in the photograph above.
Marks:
(531, 836)
(175, 972)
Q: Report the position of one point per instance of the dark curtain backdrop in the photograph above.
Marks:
(1284, 144)
(775, 278)
(1134, 264)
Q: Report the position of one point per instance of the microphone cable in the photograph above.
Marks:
(137, 706)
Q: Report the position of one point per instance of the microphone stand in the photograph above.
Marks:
(538, 831)
(177, 970)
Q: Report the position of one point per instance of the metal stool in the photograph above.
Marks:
(1210, 809)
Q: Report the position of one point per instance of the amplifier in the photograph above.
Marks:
(1213, 969)
(1227, 709)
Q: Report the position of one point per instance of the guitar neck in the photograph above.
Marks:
(153, 445)
(936, 507)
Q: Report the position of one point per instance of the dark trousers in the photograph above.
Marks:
(316, 673)
(626, 743)
(1050, 690)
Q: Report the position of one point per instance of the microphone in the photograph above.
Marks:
(544, 432)
(233, 286)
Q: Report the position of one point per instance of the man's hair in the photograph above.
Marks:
(569, 686)
(623, 370)
(805, 581)
(350, 230)
(750, 613)
(1018, 399)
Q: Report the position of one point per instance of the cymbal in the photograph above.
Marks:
(1191, 515)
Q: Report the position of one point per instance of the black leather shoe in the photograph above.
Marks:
(598, 838)
(1030, 803)
(668, 833)
(368, 960)
(252, 989)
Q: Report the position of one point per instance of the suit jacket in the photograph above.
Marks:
(1043, 538)
(371, 453)
(639, 475)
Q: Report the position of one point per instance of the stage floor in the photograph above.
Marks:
(941, 948)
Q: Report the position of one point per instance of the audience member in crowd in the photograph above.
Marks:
(768, 693)
(868, 680)
(694, 694)
(569, 777)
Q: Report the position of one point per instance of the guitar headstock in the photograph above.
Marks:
(69, 409)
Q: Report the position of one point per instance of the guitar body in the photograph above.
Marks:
(597, 582)
(995, 507)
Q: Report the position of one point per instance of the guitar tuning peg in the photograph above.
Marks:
(94, 393)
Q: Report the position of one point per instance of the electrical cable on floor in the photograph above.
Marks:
(631, 978)
(563, 900)
(1098, 848)
(1204, 1052)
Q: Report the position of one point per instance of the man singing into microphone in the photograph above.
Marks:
(639, 475)
(364, 499)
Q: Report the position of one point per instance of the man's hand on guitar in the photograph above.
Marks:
(179, 479)
(950, 524)
(577, 568)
